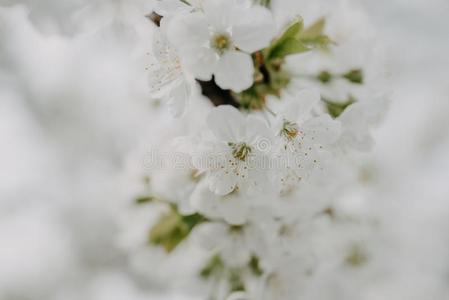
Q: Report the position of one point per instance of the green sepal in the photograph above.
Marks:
(254, 266)
(336, 108)
(325, 77)
(354, 76)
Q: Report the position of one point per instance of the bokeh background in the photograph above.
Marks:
(74, 107)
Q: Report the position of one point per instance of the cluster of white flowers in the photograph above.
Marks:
(262, 169)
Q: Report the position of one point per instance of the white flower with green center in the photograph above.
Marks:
(234, 158)
(219, 39)
(304, 136)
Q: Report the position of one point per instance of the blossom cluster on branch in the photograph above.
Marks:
(272, 113)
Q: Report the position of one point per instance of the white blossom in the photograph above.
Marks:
(304, 136)
(219, 40)
(234, 158)
(167, 77)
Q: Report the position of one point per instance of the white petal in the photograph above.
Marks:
(300, 107)
(190, 34)
(255, 29)
(200, 61)
(161, 48)
(235, 252)
(210, 235)
(219, 13)
(178, 98)
(322, 130)
(222, 182)
(307, 99)
(307, 159)
(196, 3)
(234, 213)
(234, 71)
(186, 30)
(258, 134)
(231, 208)
(258, 181)
(171, 7)
(226, 123)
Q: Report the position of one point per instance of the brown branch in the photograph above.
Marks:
(217, 95)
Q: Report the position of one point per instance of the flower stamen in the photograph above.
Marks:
(240, 151)
(221, 42)
(289, 130)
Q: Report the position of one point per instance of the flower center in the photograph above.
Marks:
(289, 130)
(240, 151)
(221, 42)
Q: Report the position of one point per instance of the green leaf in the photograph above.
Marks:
(313, 36)
(172, 228)
(288, 43)
(321, 41)
(287, 47)
(292, 30)
(168, 232)
(314, 30)
(252, 98)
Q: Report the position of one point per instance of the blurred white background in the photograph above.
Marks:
(74, 106)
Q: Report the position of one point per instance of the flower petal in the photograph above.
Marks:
(299, 108)
(226, 123)
(186, 30)
(200, 61)
(234, 71)
(322, 130)
(219, 13)
(178, 98)
(307, 100)
(258, 134)
(232, 208)
(171, 7)
(254, 30)
(210, 235)
(222, 181)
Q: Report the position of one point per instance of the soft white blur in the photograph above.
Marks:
(74, 106)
